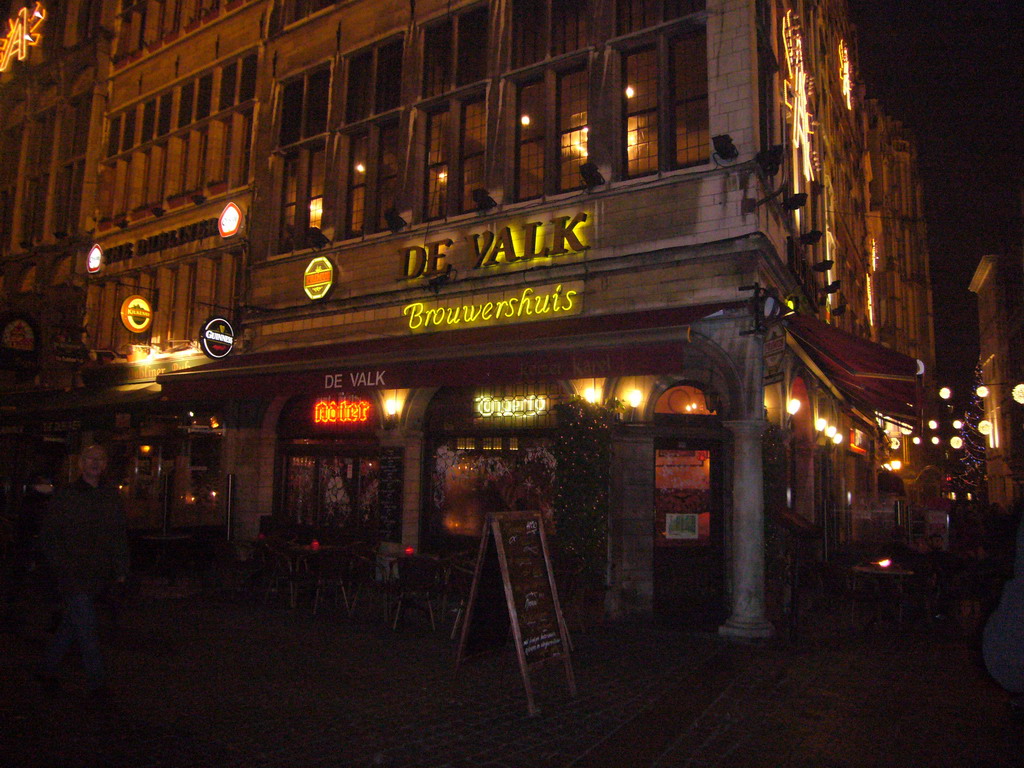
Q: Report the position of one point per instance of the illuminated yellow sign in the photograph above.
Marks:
(798, 86)
(136, 314)
(845, 74)
(527, 304)
(561, 236)
(341, 411)
(22, 33)
(513, 407)
(868, 287)
(318, 277)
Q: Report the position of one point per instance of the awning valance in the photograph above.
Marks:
(866, 372)
(578, 347)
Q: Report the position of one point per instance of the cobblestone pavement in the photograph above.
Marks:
(212, 681)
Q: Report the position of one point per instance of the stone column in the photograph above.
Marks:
(747, 533)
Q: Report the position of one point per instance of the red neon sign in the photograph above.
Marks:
(341, 411)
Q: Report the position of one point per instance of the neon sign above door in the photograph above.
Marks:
(22, 33)
(341, 412)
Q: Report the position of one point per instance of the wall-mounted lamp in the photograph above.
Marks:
(839, 310)
(770, 160)
(122, 222)
(724, 147)
(591, 175)
(482, 200)
(824, 265)
(391, 412)
(793, 202)
(198, 198)
(395, 222)
(437, 282)
(634, 397)
(60, 234)
(156, 210)
(793, 406)
(833, 287)
(810, 238)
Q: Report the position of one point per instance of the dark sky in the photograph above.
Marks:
(953, 72)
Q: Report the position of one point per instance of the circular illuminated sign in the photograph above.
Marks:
(230, 220)
(318, 277)
(136, 314)
(94, 260)
(217, 338)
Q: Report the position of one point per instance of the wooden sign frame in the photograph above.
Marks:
(531, 597)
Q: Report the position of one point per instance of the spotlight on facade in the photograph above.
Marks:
(591, 175)
(724, 148)
(839, 310)
(315, 238)
(198, 198)
(770, 160)
(157, 211)
(482, 200)
(810, 238)
(122, 222)
(833, 287)
(395, 222)
(793, 202)
(824, 265)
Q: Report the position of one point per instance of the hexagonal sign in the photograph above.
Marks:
(318, 277)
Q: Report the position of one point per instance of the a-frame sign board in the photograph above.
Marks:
(520, 563)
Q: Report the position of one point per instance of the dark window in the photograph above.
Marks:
(529, 31)
(569, 30)
(204, 96)
(360, 71)
(389, 76)
(185, 104)
(634, 15)
(437, 76)
(690, 95)
(291, 112)
(148, 120)
(374, 81)
(128, 138)
(247, 82)
(228, 85)
(163, 122)
(472, 42)
(114, 135)
(304, 104)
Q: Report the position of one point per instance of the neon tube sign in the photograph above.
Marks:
(846, 74)
(798, 88)
(519, 407)
(341, 412)
(22, 33)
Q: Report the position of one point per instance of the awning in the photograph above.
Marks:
(42, 406)
(869, 374)
(579, 347)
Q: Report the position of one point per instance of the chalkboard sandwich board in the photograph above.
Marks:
(517, 568)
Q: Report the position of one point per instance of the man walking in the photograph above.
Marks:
(85, 541)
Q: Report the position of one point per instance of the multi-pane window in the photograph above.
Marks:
(304, 103)
(455, 52)
(355, 218)
(35, 193)
(543, 28)
(573, 101)
(371, 178)
(436, 197)
(70, 174)
(472, 142)
(374, 81)
(634, 15)
(665, 125)
(530, 141)
(387, 172)
(295, 10)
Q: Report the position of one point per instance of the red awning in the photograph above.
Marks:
(576, 347)
(869, 374)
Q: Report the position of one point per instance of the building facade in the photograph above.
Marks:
(403, 234)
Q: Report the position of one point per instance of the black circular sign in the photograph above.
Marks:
(217, 338)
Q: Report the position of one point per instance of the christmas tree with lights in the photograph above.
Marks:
(969, 472)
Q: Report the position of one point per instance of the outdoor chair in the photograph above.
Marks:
(418, 583)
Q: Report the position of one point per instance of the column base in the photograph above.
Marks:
(746, 628)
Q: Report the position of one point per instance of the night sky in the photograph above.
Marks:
(953, 72)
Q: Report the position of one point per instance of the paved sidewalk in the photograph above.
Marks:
(204, 682)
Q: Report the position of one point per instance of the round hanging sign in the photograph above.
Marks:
(136, 314)
(318, 278)
(217, 338)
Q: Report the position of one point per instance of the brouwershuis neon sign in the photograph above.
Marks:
(341, 412)
(527, 304)
(22, 33)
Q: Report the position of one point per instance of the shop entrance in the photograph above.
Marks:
(330, 490)
(689, 566)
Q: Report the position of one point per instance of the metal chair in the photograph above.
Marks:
(418, 581)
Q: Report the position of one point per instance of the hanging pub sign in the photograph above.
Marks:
(318, 278)
(19, 343)
(94, 260)
(136, 314)
(230, 220)
(217, 338)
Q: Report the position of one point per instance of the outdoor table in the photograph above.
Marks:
(886, 581)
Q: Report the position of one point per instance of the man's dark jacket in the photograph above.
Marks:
(85, 537)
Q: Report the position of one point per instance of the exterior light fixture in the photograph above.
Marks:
(591, 394)
(770, 160)
(837, 438)
(793, 406)
(1018, 393)
(824, 265)
(198, 198)
(724, 147)
(591, 175)
(157, 211)
(945, 393)
(793, 202)
(482, 200)
(982, 391)
(916, 440)
(831, 431)
(935, 440)
(897, 465)
(985, 427)
(957, 424)
(820, 425)
(839, 310)
(395, 222)
(957, 442)
(933, 424)
(833, 287)
(315, 238)
(634, 398)
(810, 238)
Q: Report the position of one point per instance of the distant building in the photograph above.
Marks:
(351, 256)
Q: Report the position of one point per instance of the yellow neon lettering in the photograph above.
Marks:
(524, 303)
(22, 33)
(527, 304)
(415, 313)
